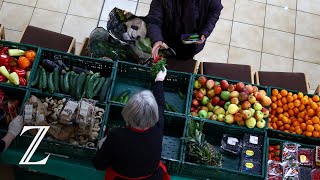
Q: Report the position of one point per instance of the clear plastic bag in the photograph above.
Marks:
(290, 151)
(291, 170)
(274, 170)
(231, 144)
(252, 141)
(68, 113)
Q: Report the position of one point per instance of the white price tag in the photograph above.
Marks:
(84, 108)
(71, 106)
(232, 141)
(40, 117)
(254, 139)
(28, 112)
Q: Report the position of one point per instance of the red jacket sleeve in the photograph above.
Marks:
(214, 11)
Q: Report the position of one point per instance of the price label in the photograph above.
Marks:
(254, 139)
(71, 106)
(232, 141)
(84, 108)
(28, 112)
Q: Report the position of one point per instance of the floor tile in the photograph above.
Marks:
(250, 12)
(278, 43)
(142, 9)
(103, 24)
(228, 9)
(271, 62)
(86, 8)
(261, 1)
(310, 69)
(72, 24)
(307, 49)
(280, 18)
(308, 24)
(122, 4)
(243, 56)
(40, 19)
(54, 5)
(213, 52)
(311, 6)
(10, 19)
(311, 91)
(247, 36)
(145, 1)
(78, 48)
(222, 32)
(24, 2)
(13, 36)
(284, 3)
(1, 3)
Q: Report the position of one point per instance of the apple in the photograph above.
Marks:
(210, 106)
(252, 99)
(199, 95)
(214, 117)
(245, 90)
(203, 90)
(224, 84)
(221, 103)
(266, 101)
(255, 89)
(215, 100)
(202, 80)
(243, 96)
(240, 123)
(258, 115)
(210, 84)
(205, 100)
(246, 114)
(210, 93)
(266, 112)
(233, 109)
(238, 116)
(252, 110)
(210, 114)
(257, 106)
(225, 95)
(263, 93)
(231, 88)
(194, 114)
(197, 84)
(246, 105)
(217, 83)
(195, 102)
(250, 88)
(203, 114)
(204, 108)
(215, 108)
(221, 117)
(229, 119)
(234, 94)
(257, 95)
(220, 111)
(194, 92)
(251, 122)
(217, 90)
(234, 101)
(261, 124)
(226, 105)
(240, 86)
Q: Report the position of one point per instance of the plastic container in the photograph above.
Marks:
(304, 173)
(274, 170)
(251, 154)
(252, 141)
(306, 157)
(251, 167)
(290, 151)
(231, 144)
(291, 170)
(315, 174)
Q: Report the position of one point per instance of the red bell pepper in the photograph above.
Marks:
(23, 81)
(2, 78)
(4, 58)
(21, 73)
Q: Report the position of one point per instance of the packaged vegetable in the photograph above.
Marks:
(86, 112)
(291, 170)
(315, 174)
(304, 173)
(318, 155)
(251, 154)
(252, 141)
(274, 153)
(67, 115)
(290, 151)
(306, 157)
(274, 170)
(231, 144)
(250, 167)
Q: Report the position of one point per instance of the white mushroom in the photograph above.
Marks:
(90, 145)
(63, 100)
(96, 129)
(45, 104)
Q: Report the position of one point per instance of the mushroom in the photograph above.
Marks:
(63, 100)
(90, 145)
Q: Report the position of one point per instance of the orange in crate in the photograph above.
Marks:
(310, 128)
(275, 92)
(315, 120)
(284, 92)
(315, 98)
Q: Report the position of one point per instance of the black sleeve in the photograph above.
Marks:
(2, 145)
(103, 157)
(154, 21)
(215, 8)
(158, 92)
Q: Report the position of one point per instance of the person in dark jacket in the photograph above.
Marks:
(135, 150)
(169, 19)
(14, 129)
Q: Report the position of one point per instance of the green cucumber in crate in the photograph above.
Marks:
(56, 79)
(90, 87)
(66, 85)
(80, 82)
(122, 95)
(61, 85)
(99, 86)
(85, 88)
(36, 79)
(51, 87)
(104, 89)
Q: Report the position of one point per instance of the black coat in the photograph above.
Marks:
(162, 24)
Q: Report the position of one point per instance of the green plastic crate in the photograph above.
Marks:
(60, 148)
(196, 76)
(24, 47)
(106, 68)
(272, 133)
(136, 78)
(231, 164)
(173, 130)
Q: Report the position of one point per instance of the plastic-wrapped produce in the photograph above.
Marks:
(304, 173)
(251, 154)
(290, 151)
(315, 174)
(291, 170)
(274, 170)
(252, 141)
(306, 157)
(250, 167)
(318, 155)
(231, 144)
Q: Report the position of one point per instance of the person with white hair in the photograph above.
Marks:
(134, 152)
(14, 129)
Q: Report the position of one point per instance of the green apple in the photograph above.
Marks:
(257, 106)
(229, 119)
(261, 124)
(252, 110)
(203, 114)
(258, 115)
(225, 95)
(205, 100)
(251, 122)
(232, 109)
(220, 111)
(221, 117)
(226, 105)
(197, 84)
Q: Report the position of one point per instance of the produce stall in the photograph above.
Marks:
(214, 128)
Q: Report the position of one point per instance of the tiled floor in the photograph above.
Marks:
(269, 35)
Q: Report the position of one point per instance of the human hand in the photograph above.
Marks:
(16, 125)
(156, 47)
(202, 40)
(161, 75)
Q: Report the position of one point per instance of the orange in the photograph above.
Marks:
(281, 128)
(279, 110)
(279, 123)
(284, 100)
(296, 124)
(285, 120)
(285, 107)
(286, 126)
(280, 116)
(295, 96)
(289, 121)
(279, 103)
(274, 126)
(302, 107)
(289, 93)
(318, 110)
(274, 106)
(291, 113)
(296, 103)
(290, 105)
(274, 98)
(315, 120)
(275, 119)
(315, 98)
(315, 134)
(300, 95)
(304, 101)
(292, 129)
(311, 112)
(289, 98)
(309, 134)
(317, 127)
(300, 120)
(286, 114)
(275, 92)
(296, 110)
(318, 114)
(279, 96)
(284, 92)
(298, 130)
(314, 105)
(309, 122)
(303, 126)
(307, 118)
(310, 128)
(301, 115)
(272, 116)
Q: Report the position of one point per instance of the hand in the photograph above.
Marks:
(202, 40)
(16, 125)
(156, 47)
(161, 75)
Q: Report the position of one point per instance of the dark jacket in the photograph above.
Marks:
(135, 154)
(163, 25)
(2, 145)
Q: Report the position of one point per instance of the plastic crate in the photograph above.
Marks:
(60, 148)
(196, 76)
(272, 133)
(24, 47)
(230, 164)
(136, 78)
(106, 68)
(173, 130)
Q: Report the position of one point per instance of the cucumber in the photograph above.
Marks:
(36, 79)
(123, 94)
(125, 99)
(44, 79)
(81, 80)
(85, 88)
(73, 86)
(180, 94)
(51, 87)
(56, 81)
(40, 84)
(166, 106)
(61, 85)
(66, 84)
(91, 85)
(71, 76)
(114, 98)
(104, 90)
(173, 109)
(96, 82)
(99, 86)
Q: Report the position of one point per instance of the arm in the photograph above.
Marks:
(103, 157)
(154, 21)
(214, 11)
(14, 129)
(158, 92)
